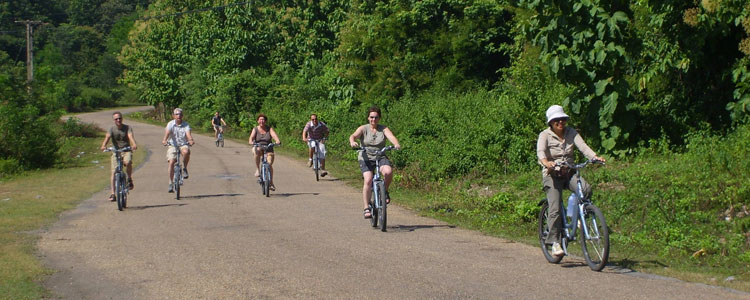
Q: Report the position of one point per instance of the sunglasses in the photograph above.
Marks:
(118, 119)
(374, 117)
(559, 120)
(178, 114)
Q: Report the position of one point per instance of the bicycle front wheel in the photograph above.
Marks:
(595, 238)
(266, 181)
(316, 166)
(382, 216)
(543, 230)
(176, 182)
(119, 190)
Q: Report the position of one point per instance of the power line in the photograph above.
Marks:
(196, 10)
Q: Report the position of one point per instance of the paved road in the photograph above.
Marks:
(307, 241)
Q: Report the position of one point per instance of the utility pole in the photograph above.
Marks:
(30, 49)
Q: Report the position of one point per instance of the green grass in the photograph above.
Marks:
(33, 200)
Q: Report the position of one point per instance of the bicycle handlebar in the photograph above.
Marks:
(380, 152)
(266, 147)
(112, 149)
(580, 165)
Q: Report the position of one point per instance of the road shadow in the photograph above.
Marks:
(142, 207)
(330, 179)
(410, 228)
(209, 196)
(293, 194)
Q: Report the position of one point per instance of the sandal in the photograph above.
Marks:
(272, 187)
(112, 197)
(367, 213)
(387, 198)
(130, 184)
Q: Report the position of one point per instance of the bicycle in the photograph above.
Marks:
(378, 205)
(177, 179)
(121, 184)
(589, 219)
(316, 158)
(265, 169)
(220, 137)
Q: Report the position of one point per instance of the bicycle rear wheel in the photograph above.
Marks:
(176, 180)
(543, 230)
(221, 142)
(119, 190)
(382, 216)
(596, 244)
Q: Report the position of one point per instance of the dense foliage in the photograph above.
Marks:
(75, 52)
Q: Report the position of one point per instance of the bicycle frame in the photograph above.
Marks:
(177, 179)
(570, 229)
(120, 178)
(377, 205)
(265, 168)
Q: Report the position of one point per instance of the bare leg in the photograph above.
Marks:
(366, 189)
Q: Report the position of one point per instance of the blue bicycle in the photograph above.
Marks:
(265, 169)
(378, 205)
(588, 218)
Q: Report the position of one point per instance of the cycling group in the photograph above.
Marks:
(555, 153)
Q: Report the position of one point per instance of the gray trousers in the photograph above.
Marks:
(553, 187)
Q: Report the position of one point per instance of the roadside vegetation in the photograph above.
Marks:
(660, 88)
(32, 200)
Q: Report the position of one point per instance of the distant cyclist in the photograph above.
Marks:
(262, 134)
(122, 136)
(217, 121)
(557, 144)
(316, 130)
(372, 137)
(178, 133)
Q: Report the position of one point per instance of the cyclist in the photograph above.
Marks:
(372, 137)
(217, 121)
(262, 134)
(122, 136)
(555, 144)
(316, 129)
(178, 131)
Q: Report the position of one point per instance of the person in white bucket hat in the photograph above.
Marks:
(556, 144)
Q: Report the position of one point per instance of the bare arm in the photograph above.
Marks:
(304, 133)
(132, 141)
(106, 139)
(166, 135)
(222, 122)
(274, 136)
(389, 135)
(357, 133)
(252, 137)
(189, 136)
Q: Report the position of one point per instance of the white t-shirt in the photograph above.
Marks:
(178, 133)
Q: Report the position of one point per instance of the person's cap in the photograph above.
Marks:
(555, 112)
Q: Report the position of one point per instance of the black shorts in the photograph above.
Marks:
(369, 165)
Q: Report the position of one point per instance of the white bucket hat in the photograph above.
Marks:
(555, 112)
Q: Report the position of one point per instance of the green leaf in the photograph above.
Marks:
(601, 86)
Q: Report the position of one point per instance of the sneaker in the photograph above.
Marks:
(557, 250)
(171, 189)
(323, 173)
(309, 163)
(185, 173)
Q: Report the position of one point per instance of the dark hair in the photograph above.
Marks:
(316, 115)
(262, 116)
(374, 109)
(117, 113)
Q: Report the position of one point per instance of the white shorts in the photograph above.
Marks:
(321, 148)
